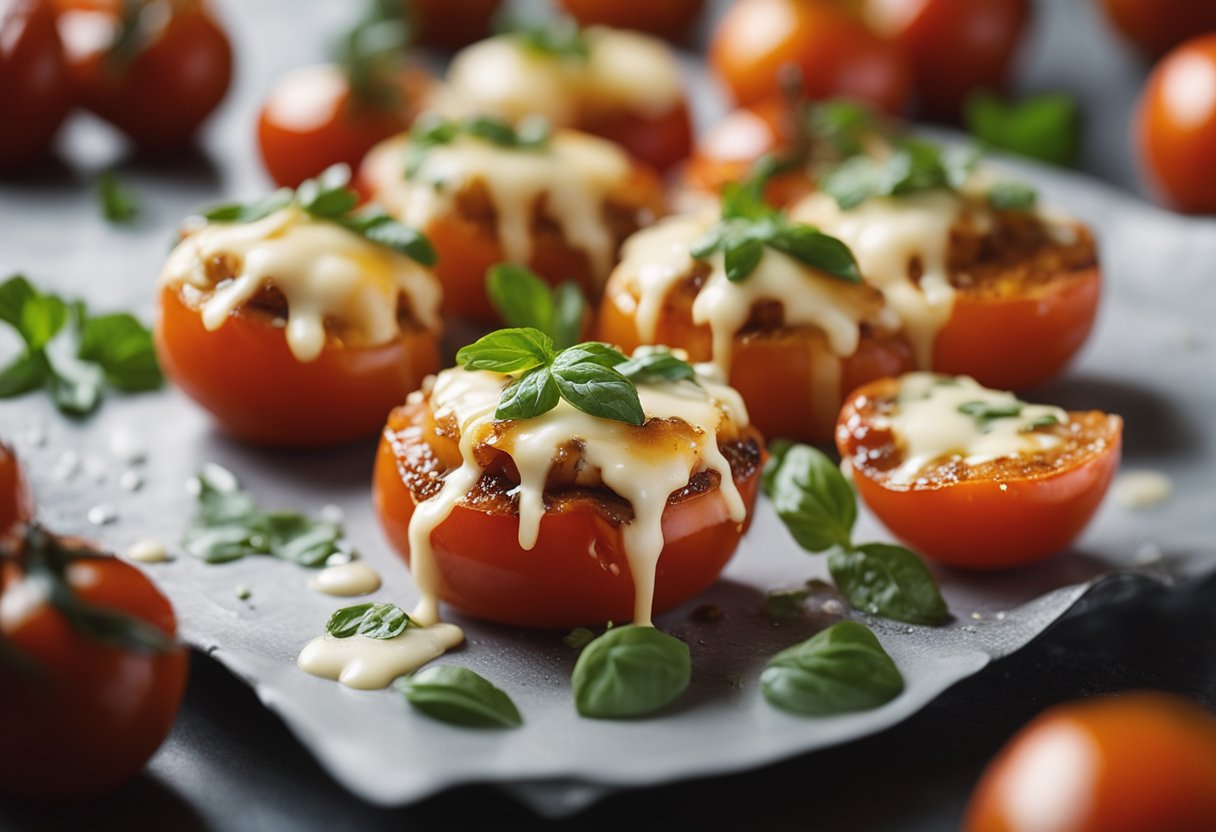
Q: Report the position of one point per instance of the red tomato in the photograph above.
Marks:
(16, 501)
(1002, 513)
(1129, 763)
(159, 94)
(658, 141)
(668, 19)
(246, 376)
(837, 55)
(79, 716)
(1176, 126)
(1157, 26)
(953, 46)
(484, 572)
(35, 88)
(451, 25)
(312, 120)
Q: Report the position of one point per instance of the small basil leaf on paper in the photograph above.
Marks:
(890, 581)
(840, 670)
(75, 386)
(25, 373)
(786, 603)
(534, 394)
(459, 696)
(300, 539)
(1012, 196)
(1043, 127)
(123, 348)
(373, 620)
(630, 671)
(596, 389)
(37, 317)
(657, 364)
(812, 498)
(578, 638)
(507, 351)
(119, 202)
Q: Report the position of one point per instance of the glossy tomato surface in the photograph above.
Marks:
(1157, 26)
(451, 24)
(659, 141)
(1129, 763)
(577, 573)
(1007, 512)
(834, 52)
(667, 18)
(246, 376)
(1176, 126)
(16, 501)
(78, 716)
(35, 87)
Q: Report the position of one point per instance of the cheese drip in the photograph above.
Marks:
(928, 424)
(622, 69)
(638, 471)
(372, 663)
(573, 174)
(322, 269)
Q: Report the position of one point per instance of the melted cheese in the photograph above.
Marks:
(346, 579)
(637, 471)
(322, 269)
(372, 663)
(929, 426)
(147, 551)
(1141, 489)
(573, 174)
(623, 69)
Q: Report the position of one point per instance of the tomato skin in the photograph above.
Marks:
(35, 87)
(979, 523)
(1175, 126)
(16, 500)
(1141, 761)
(657, 141)
(838, 55)
(668, 19)
(1157, 26)
(451, 25)
(245, 375)
(163, 93)
(86, 717)
(555, 585)
(311, 121)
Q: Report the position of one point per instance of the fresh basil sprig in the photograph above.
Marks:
(459, 696)
(119, 202)
(1012, 196)
(749, 224)
(819, 508)
(594, 377)
(1044, 127)
(373, 620)
(838, 670)
(913, 165)
(113, 348)
(524, 300)
(330, 197)
(433, 130)
(559, 37)
(228, 525)
(630, 671)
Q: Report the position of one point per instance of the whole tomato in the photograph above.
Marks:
(1157, 26)
(35, 88)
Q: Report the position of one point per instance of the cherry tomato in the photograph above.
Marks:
(835, 52)
(16, 501)
(1125, 763)
(1157, 26)
(953, 46)
(246, 376)
(1176, 126)
(35, 88)
(1006, 512)
(80, 716)
(174, 74)
(658, 141)
(312, 120)
(484, 572)
(668, 19)
(451, 25)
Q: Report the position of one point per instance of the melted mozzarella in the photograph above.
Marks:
(501, 76)
(322, 269)
(372, 663)
(637, 471)
(346, 579)
(147, 551)
(573, 174)
(929, 426)
(1141, 489)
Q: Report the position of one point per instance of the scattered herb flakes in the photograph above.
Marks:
(433, 130)
(119, 201)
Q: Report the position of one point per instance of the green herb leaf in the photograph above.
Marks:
(1012, 196)
(27, 372)
(372, 55)
(742, 257)
(123, 348)
(531, 395)
(630, 671)
(985, 413)
(569, 310)
(459, 696)
(1044, 127)
(119, 202)
(378, 227)
(524, 300)
(507, 351)
(656, 364)
(813, 499)
(75, 387)
(36, 317)
(851, 182)
(782, 604)
(373, 620)
(585, 382)
(250, 212)
(890, 581)
(559, 38)
(823, 251)
(839, 670)
(432, 130)
(578, 638)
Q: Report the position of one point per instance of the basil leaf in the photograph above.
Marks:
(459, 696)
(569, 310)
(657, 364)
(75, 387)
(560, 38)
(745, 200)
(813, 499)
(251, 212)
(328, 195)
(345, 622)
(123, 347)
(1044, 127)
(380, 228)
(818, 250)
(839, 670)
(851, 182)
(373, 620)
(25, 373)
(119, 202)
(888, 580)
(531, 133)
(520, 297)
(300, 539)
(507, 351)
(594, 352)
(786, 603)
(36, 317)
(596, 389)
(777, 449)
(708, 243)
(532, 395)
(630, 671)
(984, 413)
(742, 257)
(578, 638)
(1012, 196)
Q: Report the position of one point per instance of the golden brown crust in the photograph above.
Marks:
(1016, 253)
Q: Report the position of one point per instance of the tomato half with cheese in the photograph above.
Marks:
(565, 518)
(562, 206)
(973, 477)
(293, 330)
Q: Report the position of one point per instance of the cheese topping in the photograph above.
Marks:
(502, 76)
(371, 663)
(637, 470)
(322, 269)
(931, 422)
(573, 175)
(346, 579)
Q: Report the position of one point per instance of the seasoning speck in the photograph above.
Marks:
(130, 480)
(244, 593)
(832, 607)
(66, 466)
(1147, 553)
(127, 447)
(102, 514)
(331, 513)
